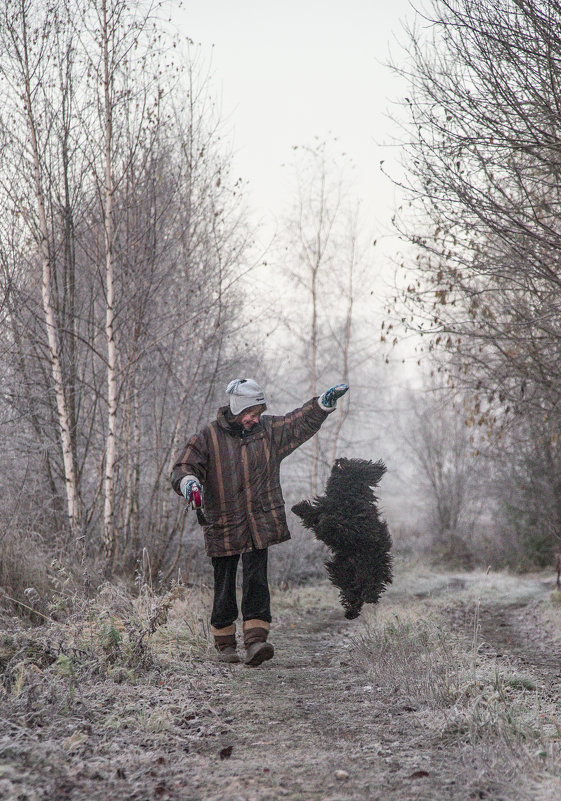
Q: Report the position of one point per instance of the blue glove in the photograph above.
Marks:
(193, 493)
(330, 397)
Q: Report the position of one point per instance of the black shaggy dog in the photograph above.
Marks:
(346, 520)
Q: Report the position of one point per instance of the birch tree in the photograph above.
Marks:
(26, 64)
(146, 240)
(450, 475)
(310, 236)
(108, 35)
(118, 40)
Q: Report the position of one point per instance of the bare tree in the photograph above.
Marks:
(325, 264)
(117, 41)
(526, 488)
(146, 240)
(26, 69)
(445, 472)
(483, 169)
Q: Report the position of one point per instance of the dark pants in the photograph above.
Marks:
(256, 601)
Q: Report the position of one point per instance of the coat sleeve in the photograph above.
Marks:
(192, 461)
(293, 429)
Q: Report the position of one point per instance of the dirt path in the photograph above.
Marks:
(308, 726)
(313, 724)
(320, 728)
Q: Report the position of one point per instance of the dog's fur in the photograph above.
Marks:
(346, 519)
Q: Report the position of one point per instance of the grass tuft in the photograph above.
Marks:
(415, 655)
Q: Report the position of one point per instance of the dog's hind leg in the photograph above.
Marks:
(341, 571)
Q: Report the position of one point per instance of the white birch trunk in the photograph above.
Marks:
(72, 498)
(110, 447)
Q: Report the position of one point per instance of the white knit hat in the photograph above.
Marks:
(244, 392)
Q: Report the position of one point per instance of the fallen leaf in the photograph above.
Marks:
(226, 753)
(419, 774)
(74, 741)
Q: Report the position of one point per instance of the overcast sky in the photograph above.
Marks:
(288, 70)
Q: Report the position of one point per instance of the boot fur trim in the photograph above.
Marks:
(224, 642)
(223, 632)
(256, 634)
(255, 623)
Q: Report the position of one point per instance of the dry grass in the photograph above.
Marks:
(404, 647)
(495, 720)
(131, 683)
(114, 635)
(24, 570)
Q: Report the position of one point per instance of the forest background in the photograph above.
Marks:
(133, 289)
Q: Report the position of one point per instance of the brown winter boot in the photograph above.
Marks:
(255, 633)
(225, 644)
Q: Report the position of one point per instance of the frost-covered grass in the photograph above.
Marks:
(419, 581)
(122, 695)
(494, 714)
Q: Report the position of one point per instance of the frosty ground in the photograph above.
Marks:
(447, 689)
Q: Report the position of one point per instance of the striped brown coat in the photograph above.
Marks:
(243, 501)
